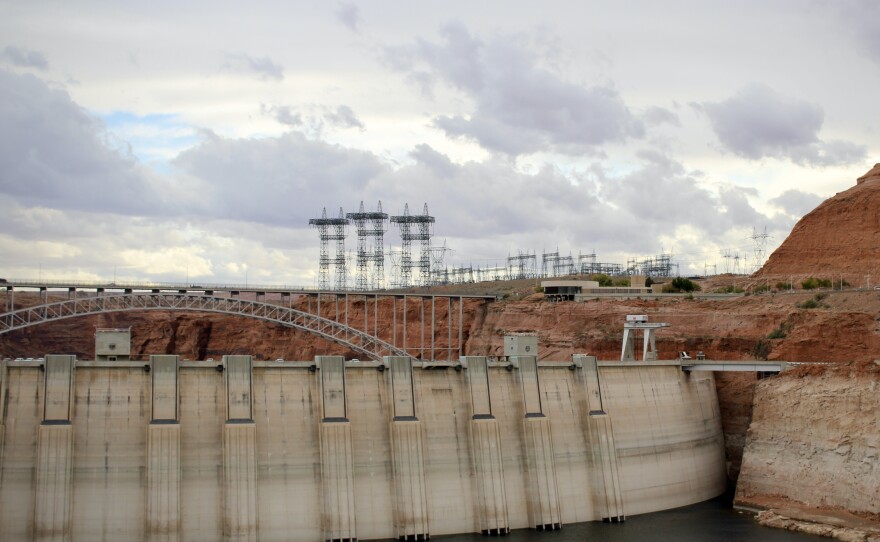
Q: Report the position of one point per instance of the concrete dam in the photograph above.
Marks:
(238, 449)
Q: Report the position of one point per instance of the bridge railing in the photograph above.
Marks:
(147, 285)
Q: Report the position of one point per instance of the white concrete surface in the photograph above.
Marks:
(666, 433)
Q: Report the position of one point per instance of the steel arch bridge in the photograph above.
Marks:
(363, 343)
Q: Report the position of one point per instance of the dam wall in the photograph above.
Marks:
(334, 450)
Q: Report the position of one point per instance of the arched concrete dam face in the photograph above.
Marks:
(279, 451)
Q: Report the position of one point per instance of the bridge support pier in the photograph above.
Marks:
(337, 470)
(163, 453)
(410, 489)
(606, 489)
(486, 451)
(239, 452)
(542, 496)
(54, 467)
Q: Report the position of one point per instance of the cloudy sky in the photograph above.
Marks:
(171, 141)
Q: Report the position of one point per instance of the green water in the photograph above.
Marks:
(711, 521)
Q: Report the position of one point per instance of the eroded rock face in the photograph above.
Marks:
(839, 238)
(815, 440)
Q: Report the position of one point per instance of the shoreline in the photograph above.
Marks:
(784, 514)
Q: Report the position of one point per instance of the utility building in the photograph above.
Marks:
(112, 344)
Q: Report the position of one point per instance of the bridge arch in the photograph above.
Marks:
(363, 343)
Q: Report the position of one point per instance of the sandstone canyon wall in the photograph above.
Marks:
(813, 447)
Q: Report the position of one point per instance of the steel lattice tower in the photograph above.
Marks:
(370, 225)
(331, 229)
(423, 232)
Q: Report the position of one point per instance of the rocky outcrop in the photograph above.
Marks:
(838, 239)
(814, 442)
(819, 526)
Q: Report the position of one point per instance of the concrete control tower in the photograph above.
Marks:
(634, 323)
(112, 344)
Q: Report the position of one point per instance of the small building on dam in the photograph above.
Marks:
(329, 449)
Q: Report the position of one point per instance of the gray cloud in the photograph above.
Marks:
(314, 124)
(24, 58)
(860, 18)
(53, 154)
(349, 15)
(344, 117)
(279, 180)
(655, 116)
(796, 203)
(662, 195)
(758, 122)
(283, 114)
(520, 107)
(264, 67)
(437, 162)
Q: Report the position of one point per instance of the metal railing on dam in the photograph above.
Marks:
(335, 450)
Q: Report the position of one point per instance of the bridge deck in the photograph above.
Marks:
(182, 287)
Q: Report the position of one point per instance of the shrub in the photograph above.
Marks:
(780, 332)
(730, 289)
(761, 349)
(539, 289)
(602, 279)
(782, 285)
(623, 281)
(681, 284)
(810, 283)
(761, 288)
(813, 303)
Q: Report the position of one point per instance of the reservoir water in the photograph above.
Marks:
(711, 521)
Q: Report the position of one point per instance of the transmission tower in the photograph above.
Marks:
(370, 225)
(423, 225)
(760, 240)
(331, 229)
(727, 257)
